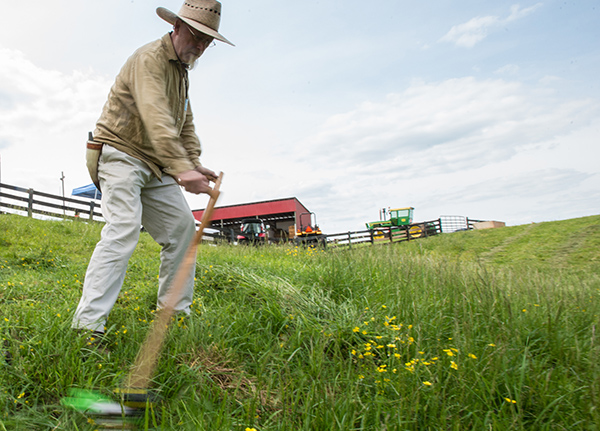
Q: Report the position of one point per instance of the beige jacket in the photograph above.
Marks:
(148, 114)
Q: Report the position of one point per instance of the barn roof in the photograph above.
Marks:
(272, 210)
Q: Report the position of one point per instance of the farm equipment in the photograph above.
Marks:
(309, 234)
(397, 217)
(252, 231)
(395, 221)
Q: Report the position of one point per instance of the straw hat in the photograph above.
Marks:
(203, 15)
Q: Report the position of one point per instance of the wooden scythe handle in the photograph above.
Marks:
(147, 356)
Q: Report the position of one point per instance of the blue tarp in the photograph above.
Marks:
(89, 191)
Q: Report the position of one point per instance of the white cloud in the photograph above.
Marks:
(516, 12)
(454, 120)
(509, 69)
(459, 145)
(45, 118)
(472, 32)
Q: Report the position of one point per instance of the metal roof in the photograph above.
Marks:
(272, 210)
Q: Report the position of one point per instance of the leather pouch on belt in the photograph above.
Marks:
(92, 155)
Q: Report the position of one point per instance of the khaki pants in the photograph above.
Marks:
(131, 197)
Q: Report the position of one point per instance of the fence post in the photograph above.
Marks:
(92, 205)
(30, 204)
(391, 234)
(372, 236)
(349, 240)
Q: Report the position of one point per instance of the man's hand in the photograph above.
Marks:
(194, 181)
(207, 173)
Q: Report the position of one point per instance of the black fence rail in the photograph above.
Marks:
(29, 202)
(471, 223)
(384, 235)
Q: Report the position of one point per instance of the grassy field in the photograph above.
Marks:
(482, 330)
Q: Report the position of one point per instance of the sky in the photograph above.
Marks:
(483, 109)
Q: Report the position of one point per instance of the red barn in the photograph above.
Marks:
(281, 216)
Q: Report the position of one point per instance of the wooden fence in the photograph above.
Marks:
(28, 201)
(384, 235)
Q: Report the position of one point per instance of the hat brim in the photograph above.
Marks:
(171, 17)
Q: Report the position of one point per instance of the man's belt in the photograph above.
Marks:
(94, 146)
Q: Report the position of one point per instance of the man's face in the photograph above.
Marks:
(189, 43)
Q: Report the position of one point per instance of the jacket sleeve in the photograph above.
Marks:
(158, 113)
(189, 138)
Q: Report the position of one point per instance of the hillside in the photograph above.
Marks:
(565, 245)
(492, 329)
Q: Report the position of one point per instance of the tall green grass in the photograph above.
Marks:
(461, 331)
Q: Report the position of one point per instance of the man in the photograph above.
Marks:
(149, 149)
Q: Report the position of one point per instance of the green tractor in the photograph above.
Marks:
(397, 217)
(396, 221)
